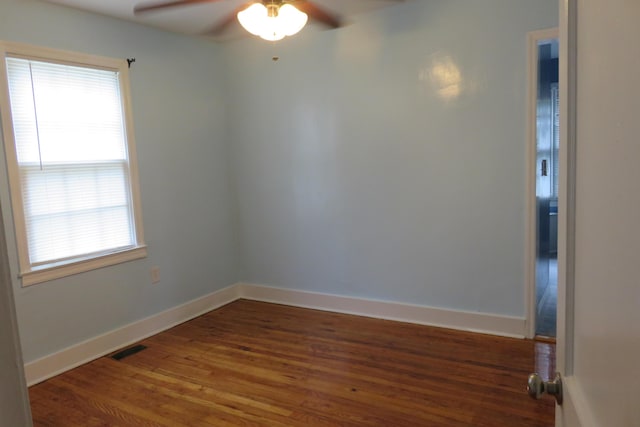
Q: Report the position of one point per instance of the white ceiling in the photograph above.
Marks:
(198, 18)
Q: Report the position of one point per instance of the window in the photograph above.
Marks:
(71, 161)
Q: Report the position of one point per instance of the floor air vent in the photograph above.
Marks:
(128, 352)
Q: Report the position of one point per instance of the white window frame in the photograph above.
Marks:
(37, 274)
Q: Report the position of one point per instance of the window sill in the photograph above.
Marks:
(47, 273)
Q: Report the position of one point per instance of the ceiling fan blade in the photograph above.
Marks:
(229, 20)
(318, 13)
(148, 7)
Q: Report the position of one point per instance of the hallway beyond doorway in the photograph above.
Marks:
(546, 302)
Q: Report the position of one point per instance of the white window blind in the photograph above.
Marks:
(72, 161)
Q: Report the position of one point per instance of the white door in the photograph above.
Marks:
(599, 301)
(14, 401)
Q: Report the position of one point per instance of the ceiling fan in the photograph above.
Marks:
(269, 19)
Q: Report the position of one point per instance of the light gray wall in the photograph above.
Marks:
(365, 167)
(179, 115)
(356, 169)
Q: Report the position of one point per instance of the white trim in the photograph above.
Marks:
(453, 319)
(567, 190)
(50, 273)
(533, 38)
(575, 410)
(48, 366)
(130, 136)
(29, 51)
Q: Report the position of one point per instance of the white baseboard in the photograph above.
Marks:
(48, 366)
(492, 324)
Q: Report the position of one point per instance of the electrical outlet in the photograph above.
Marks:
(155, 274)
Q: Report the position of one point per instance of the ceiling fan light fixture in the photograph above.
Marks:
(274, 23)
(252, 18)
(291, 19)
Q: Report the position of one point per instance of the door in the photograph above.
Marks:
(14, 402)
(599, 241)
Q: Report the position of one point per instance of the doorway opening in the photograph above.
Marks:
(547, 144)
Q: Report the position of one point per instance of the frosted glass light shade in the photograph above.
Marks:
(291, 20)
(287, 21)
(253, 18)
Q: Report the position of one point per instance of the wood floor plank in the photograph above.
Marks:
(258, 364)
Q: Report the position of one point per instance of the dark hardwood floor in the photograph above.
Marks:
(259, 364)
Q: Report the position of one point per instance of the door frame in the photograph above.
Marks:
(533, 38)
(567, 186)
